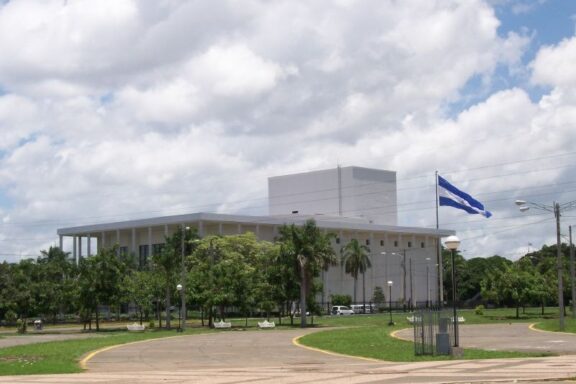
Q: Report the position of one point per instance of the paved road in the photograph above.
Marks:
(510, 337)
(270, 357)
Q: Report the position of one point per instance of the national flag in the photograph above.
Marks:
(451, 196)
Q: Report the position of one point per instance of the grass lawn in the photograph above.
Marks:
(359, 335)
(63, 356)
(376, 342)
(369, 335)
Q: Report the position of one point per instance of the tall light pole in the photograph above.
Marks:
(183, 277)
(390, 283)
(181, 291)
(556, 209)
(403, 266)
(427, 282)
(452, 243)
(572, 277)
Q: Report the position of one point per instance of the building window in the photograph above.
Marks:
(337, 240)
(157, 248)
(123, 251)
(396, 243)
(422, 245)
(143, 256)
(409, 244)
(381, 243)
(367, 241)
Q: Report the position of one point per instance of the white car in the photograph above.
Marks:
(341, 310)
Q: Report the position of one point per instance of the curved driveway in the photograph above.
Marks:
(510, 337)
(270, 357)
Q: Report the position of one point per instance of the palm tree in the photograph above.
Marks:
(356, 260)
(309, 251)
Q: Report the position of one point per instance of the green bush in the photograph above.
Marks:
(21, 324)
(10, 316)
(341, 300)
(151, 324)
(479, 310)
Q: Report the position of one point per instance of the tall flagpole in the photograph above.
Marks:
(440, 267)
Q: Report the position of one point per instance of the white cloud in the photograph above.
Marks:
(554, 65)
(121, 109)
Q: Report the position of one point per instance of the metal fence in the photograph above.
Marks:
(433, 332)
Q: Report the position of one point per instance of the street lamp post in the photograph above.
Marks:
(572, 277)
(390, 283)
(403, 266)
(556, 209)
(452, 243)
(427, 282)
(181, 291)
(183, 278)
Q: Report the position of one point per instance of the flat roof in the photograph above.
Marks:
(325, 222)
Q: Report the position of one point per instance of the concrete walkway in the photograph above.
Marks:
(271, 357)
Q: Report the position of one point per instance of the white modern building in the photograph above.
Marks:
(352, 202)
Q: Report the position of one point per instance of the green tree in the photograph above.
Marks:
(56, 286)
(341, 300)
(100, 280)
(227, 271)
(378, 297)
(168, 263)
(356, 261)
(511, 284)
(142, 288)
(310, 251)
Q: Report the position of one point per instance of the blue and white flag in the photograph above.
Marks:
(451, 196)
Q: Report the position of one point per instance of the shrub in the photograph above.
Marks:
(341, 300)
(21, 324)
(151, 324)
(10, 316)
(479, 310)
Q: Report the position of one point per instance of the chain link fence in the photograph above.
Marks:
(433, 332)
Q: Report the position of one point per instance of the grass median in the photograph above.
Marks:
(63, 356)
(369, 336)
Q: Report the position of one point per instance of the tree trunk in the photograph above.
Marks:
(517, 311)
(303, 289)
(168, 314)
(364, 292)
(97, 319)
(355, 284)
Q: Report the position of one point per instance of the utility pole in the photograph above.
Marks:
(411, 286)
(559, 262)
(572, 277)
(404, 276)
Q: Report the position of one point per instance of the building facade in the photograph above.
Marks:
(407, 256)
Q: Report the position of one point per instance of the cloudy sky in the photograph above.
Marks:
(116, 109)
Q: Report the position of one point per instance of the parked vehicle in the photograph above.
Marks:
(359, 308)
(341, 310)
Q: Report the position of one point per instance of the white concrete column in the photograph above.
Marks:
(74, 249)
(61, 242)
(118, 242)
(258, 231)
(133, 243)
(220, 229)
(102, 243)
(201, 229)
(149, 242)
(239, 229)
(166, 230)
